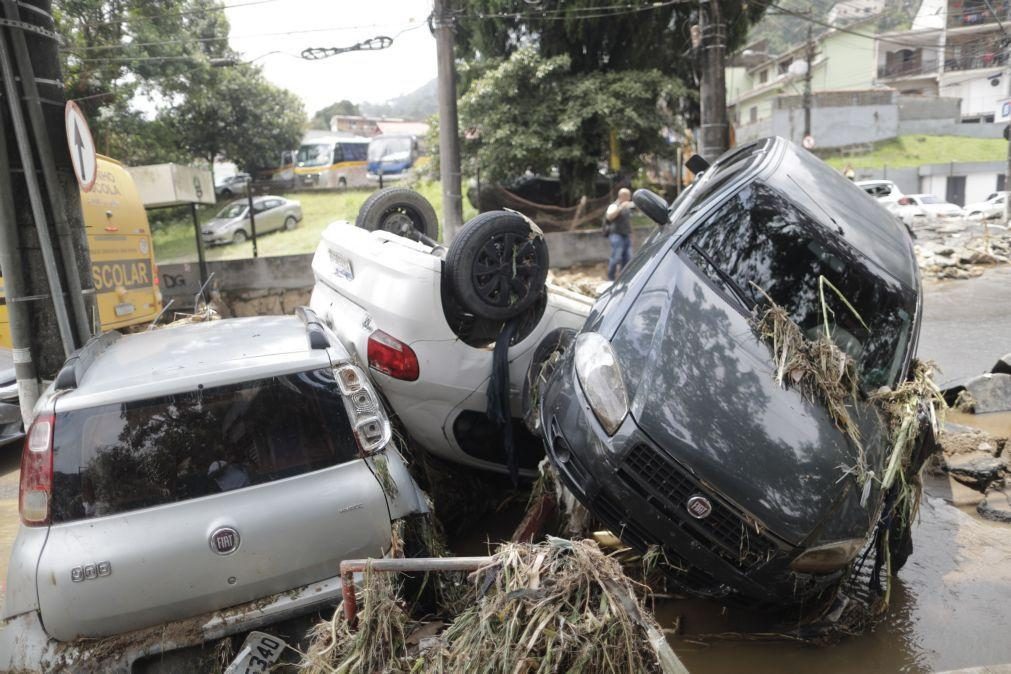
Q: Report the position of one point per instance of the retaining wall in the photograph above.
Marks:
(276, 285)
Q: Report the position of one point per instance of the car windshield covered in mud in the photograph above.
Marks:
(665, 416)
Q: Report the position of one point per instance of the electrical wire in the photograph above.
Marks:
(191, 12)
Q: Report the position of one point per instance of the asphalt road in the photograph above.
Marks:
(966, 324)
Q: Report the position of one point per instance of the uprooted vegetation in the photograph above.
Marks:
(557, 606)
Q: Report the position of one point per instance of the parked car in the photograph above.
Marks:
(232, 224)
(197, 481)
(935, 208)
(11, 425)
(885, 191)
(991, 207)
(425, 319)
(232, 186)
(663, 417)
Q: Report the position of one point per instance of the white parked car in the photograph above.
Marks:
(934, 208)
(425, 320)
(885, 191)
(991, 207)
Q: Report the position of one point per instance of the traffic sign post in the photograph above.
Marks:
(82, 146)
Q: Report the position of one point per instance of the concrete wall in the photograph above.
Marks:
(922, 108)
(276, 285)
(931, 127)
(907, 179)
(980, 178)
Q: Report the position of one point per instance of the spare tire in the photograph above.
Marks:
(497, 265)
(400, 210)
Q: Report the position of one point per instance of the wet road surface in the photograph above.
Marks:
(966, 324)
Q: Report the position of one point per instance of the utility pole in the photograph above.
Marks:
(713, 99)
(809, 58)
(449, 135)
(52, 256)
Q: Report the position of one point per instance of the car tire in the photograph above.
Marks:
(226, 194)
(240, 236)
(556, 341)
(399, 210)
(497, 266)
(342, 185)
(289, 223)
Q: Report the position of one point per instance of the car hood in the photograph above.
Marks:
(707, 396)
(217, 223)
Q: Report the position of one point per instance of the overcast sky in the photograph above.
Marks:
(289, 26)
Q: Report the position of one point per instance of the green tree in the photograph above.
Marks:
(239, 116)
(593, 69)
(321, 120)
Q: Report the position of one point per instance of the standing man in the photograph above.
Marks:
(619, 232)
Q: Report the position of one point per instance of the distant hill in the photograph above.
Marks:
(783, 31)
(419, 104)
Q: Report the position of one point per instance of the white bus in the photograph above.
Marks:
(332, 163)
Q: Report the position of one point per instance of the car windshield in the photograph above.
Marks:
(930, 199)
(232, 211)
(317, 154)
(389, 147)
(125, 456)
(759, 242)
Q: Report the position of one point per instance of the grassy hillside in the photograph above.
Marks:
(917, 150)
(175, 241)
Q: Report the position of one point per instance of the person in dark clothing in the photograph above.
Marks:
(619, 221)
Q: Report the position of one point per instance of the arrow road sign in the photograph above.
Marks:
(82, 146)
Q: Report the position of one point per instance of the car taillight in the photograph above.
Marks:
(37, 472)
(905, 201)
(365, 410)
(390, 356)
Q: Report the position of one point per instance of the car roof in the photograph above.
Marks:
(841, 208)
(862, 183)
(184, 357)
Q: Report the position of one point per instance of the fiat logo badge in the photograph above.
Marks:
(225, 541)
(699, 507)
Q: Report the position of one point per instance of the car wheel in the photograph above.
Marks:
(399, 210)
(497, 266)
(226, 194)
(289, 223)
(342, 185)
(239, 236)
(545, 359)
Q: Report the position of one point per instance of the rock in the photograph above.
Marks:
(953, 444)
(980, 257)
(975, 469)
(996, 506)
(1003, 365)
(990, 392)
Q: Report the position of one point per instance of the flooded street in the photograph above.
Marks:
(949, 609)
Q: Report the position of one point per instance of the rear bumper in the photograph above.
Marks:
(25, 645)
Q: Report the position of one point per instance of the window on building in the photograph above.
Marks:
(763, 76)
(784, 66)
(753, 114)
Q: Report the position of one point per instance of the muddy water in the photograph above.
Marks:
(950, 607)
(994, 423)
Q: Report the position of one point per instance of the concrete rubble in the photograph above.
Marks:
(961, 249)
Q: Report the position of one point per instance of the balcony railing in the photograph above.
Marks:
(906, 69)
(961, 14)
(973, 61)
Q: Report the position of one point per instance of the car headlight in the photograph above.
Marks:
(599, 376)
(828, 558)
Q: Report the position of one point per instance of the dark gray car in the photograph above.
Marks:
(663, 416)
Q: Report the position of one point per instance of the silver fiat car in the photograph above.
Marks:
(193, 482)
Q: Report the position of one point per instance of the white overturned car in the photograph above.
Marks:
(425, 320)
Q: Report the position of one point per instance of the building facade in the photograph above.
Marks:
(963, 57)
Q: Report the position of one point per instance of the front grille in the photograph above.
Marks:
(725, 532)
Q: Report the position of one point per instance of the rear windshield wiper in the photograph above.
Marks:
(728, 280)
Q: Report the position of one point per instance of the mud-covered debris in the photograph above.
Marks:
(976, 469)
(997, 505)
(990, 393)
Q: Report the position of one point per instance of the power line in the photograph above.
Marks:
(566, 14)
(191, 12)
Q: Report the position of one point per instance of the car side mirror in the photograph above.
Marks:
(652, 204)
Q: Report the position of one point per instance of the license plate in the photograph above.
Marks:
(124, 309)
(342, 266)
(259, 651)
